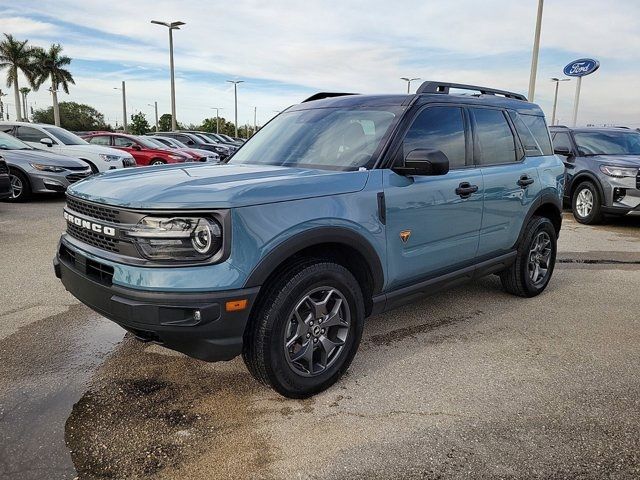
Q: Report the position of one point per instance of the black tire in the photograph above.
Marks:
(94, 169)
(594, 215)
(517, 279)
(157, 161)
(25, 192)
(264, 350)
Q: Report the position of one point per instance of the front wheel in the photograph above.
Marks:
(529, 275)
(586, 204)
(158, 162)
(306, 330)
(20, 187)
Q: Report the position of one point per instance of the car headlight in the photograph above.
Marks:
(109, 158)
(618, 172)
(47, 168)
(222, 150)
(177, 238)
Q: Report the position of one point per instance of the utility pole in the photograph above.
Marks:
(124, 106)
(217, 109)
(555, 97)
(171, 26)
(2, 105)
(534, 56)
(235, 99)
(255, 116)
(155, 104)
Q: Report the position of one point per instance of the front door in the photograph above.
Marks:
(432, 225)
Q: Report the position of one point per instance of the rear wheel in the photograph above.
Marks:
(306, 330)
(20, 187)
(586, 204)
(531, 272)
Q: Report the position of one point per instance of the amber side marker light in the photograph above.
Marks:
(236, 305)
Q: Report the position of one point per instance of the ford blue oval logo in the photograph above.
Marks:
(582, 67)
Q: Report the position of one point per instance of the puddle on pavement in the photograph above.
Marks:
(44, 369)
(154, 415)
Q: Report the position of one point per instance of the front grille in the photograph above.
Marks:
(74, 177)
(96, 211)
(129, 162)
(638, 180)
(93, 238)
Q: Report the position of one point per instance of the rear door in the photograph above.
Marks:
(510, 178)
(431, 227)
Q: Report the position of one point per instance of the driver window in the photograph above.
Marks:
(439, 128)
(123, 142)
(28, 134)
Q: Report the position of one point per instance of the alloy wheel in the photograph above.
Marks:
(316, 331)
(16, 186)
(584, 202)
(540, 258)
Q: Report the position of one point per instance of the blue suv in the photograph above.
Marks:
(341, 207)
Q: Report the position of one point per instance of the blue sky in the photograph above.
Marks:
(285, 50)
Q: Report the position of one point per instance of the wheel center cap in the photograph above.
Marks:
(316, 331)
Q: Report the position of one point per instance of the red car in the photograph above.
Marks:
(144, 151)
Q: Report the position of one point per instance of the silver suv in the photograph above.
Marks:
(602, 170)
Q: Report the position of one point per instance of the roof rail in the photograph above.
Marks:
(443, 87)
(321, 95)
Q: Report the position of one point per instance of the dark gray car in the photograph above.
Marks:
(36, 171)
(602, 170)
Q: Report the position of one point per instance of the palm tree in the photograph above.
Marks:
(17, 56)
(50, 65)
(25, 91)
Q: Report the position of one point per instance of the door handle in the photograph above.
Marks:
(465, 189)
(525, 181)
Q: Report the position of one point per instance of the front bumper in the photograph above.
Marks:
(169, 319)
(47, 182)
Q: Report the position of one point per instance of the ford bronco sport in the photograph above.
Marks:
(342, 207)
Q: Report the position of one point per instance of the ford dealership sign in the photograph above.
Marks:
(582, 67)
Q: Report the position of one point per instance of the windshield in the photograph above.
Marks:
(226, 137)
(332, 138)
(65, 136)
(203, 138)
(150, 143)
(608, 143)
(7, 142)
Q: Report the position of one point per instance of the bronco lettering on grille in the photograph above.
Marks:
(94, 227)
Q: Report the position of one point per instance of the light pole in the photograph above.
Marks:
(255, 116)
(555, 97)
(155, 105)
(409, 80)
(534, 55)
(235, 100)
(217, 109)
(124, 106)
(171, 26)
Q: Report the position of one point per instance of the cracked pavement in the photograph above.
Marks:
(471, 383)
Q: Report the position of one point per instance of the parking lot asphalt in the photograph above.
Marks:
(470, 383)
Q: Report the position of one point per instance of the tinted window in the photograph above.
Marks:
(494, 137)
(123, 142)
(99, 140)
(562, 140)
(538, 127)
(608, 143)
(439, 128)
(28, 134)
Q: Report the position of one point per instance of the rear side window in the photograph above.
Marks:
(439, 128)
(100, 140)
(28, 134)
(123, 142)
(494, 138)
(538, 127)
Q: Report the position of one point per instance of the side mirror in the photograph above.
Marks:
(46, 141)
(564, 151)
(424, 162)
(135, 146)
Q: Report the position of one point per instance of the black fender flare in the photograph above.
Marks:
(545, 198)
(313, 237)
(586, 175)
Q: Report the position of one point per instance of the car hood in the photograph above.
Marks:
(37, 156)
(95, 149)
(205, 185)
(619, 160)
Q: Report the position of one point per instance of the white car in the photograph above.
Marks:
(58, 140)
